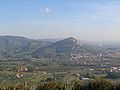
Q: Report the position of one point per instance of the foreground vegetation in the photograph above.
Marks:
(98, 84)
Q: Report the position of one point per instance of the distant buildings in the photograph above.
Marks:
(85, 78)
(21, 71)
(115, 69)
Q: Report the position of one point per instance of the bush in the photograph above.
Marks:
(98, 84)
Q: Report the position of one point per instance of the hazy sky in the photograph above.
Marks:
(91, 20)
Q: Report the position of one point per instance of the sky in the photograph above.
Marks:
(89, 20)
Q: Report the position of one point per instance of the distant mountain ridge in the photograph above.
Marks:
(59, 48)
(15, 46)
(63, 49)
(25, 48)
